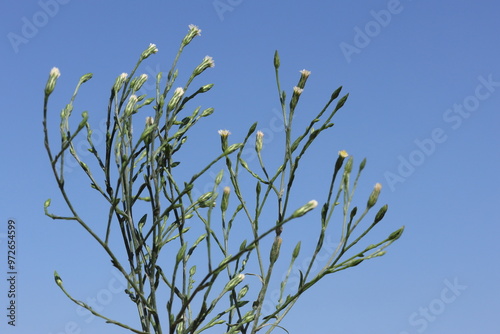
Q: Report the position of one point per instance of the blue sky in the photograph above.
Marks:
(424, 84)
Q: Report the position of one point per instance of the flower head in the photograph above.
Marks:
(343, 154)
(224, 133)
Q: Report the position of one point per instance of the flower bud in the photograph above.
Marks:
(275, 250)
(130, 107)
(205, 63)
(223, 138)
(242, 292)
(340, 160)
(296, 251)
(178, 93)
(374, 195)
(234, 282)
(206, 88)
(193, 32)
(119, 82)
(149, 51)
(305, 209)
(258, 141)
(304, 74)
(276, 59)
(207, 112)
(225, 199)
(58, 279)
(380, 214)
(51, 82)
(85, 77)
(137, 83)
(295, 97)
(396, 234)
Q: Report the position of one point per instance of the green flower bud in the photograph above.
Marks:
(119, 82)
(85, 77)
(243, 292)
(206, 88)
(305, 209)
(178, 93)
(130, 107)
(348, 165)
(137, 83)
(149, 51)
(205, 63)
(374, 195)
(296, 251)
(234, 282)
(275, 249)
(225, 199)
(223, 138)
(258, 141)
(340, 160)
(51, 82)
(304, 74)
(380, 214)
(396, 234)
(276, 59)
(207, 112)
(193, 32)
(297, 91)
(58, 279)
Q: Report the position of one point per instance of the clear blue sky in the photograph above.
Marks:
(424, 109)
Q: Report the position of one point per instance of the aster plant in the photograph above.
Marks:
(188, 267)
